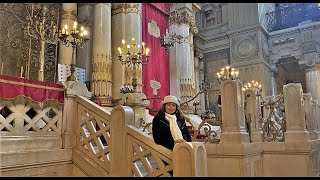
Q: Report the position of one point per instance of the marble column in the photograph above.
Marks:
(200, 78)
(126, 24)
(273, 82)
(85, 11)
(101, 84)
(313, 81)
(69, 15)
(181, 63)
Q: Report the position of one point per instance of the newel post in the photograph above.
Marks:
(189, 159)
(233, 121)
(69, 116)
(295, 113)
(121, 116)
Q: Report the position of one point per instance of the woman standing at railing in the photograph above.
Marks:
(169, 126)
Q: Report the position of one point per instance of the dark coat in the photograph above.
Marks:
(161, 130)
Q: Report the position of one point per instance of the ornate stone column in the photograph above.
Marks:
(274, 74)
(69, 15)
(85, 11)
(101, 85)
(310, 59)
(126, 24)
(198, 69)
(181, 63)
(313, 81)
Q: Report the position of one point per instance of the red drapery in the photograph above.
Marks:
(158, 67)
(12, 87)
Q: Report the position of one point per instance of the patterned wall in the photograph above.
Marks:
(18, 51)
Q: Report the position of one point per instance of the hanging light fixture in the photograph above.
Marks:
(167, 41)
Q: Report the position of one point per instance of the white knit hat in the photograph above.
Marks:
(172, 99)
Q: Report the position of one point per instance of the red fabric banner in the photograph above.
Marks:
(12, 87)
(158, 66)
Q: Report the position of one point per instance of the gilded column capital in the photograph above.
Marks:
(69, 14)
(193, 26)
(183, 18)
(314, 67)
(126, 8)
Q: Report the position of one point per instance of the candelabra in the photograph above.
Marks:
(227, 73)
(167, 41)
(133, 55)
(253, 85)
(204, 87)
(42, 29)
(77, 37)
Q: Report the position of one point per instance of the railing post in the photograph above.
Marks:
(189, 159)
(316, 115)
(69, 116)
(295, 115)
(252, 115)
(121, 116)
(233, 121)
(310, 119)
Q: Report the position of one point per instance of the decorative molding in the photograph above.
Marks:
(217, 38)
(246, 31)
(220, 54)
(180, 39)
(182, 18)
(69, 14)
(153, 29)
(245, 48)
(294, 30)
(108, 4)
(126, 8)
(283, 41)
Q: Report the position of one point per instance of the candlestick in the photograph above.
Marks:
(21, 71)
(1, 68)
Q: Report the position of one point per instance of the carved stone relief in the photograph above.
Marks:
(245, 47)
(212, 15)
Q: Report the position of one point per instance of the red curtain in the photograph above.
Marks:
(158, 66)
(12, 87)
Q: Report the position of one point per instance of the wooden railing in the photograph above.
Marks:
(111, 142)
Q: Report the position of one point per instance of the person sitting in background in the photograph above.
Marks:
(169, 126)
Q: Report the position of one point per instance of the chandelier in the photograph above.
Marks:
(76, 37)
(133, 54)
(167, 41)
(253, 85)
(227, 73)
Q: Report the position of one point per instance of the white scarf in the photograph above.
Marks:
(174, 128)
